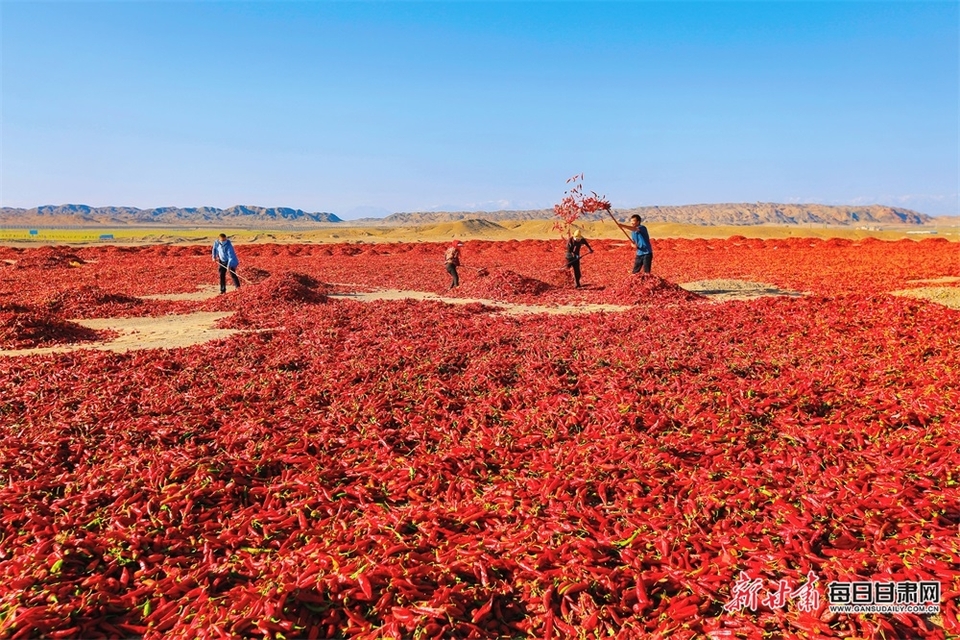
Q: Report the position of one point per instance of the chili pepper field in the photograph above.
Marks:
(422, 469)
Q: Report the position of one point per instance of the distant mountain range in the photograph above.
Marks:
(704, 214)
(79, 214)
(248, 216)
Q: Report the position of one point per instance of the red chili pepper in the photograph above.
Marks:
(482, 612)
(366, 586)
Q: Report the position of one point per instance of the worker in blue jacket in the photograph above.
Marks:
(226, 257)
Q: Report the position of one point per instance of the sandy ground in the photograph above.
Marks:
(203, 292)
(724, 290)
(162, 332)
(943, 280)
(947, 296)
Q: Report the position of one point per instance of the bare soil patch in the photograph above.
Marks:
(941, 280)
(162, 332)
(203, 292)
(724, 290)
(947, 296)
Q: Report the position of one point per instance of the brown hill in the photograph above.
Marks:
(771, 213)
(759, 213)
(433, 217)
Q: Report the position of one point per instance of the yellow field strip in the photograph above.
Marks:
(470, 229)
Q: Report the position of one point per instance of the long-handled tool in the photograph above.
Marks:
(235, 273)
(579, 258)
(247, 280)
(569, 262)
(617, 222)
(481, 271)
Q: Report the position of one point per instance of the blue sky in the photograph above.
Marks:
(365, 108)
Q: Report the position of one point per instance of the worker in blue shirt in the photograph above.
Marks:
(226, 257)
(641, 240)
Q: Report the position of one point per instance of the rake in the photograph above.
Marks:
(481, 271)
(238, 275)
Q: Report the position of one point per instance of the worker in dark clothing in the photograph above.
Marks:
(452, 260)
(574, 243)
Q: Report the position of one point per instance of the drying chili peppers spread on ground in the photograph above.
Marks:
(415, 469)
